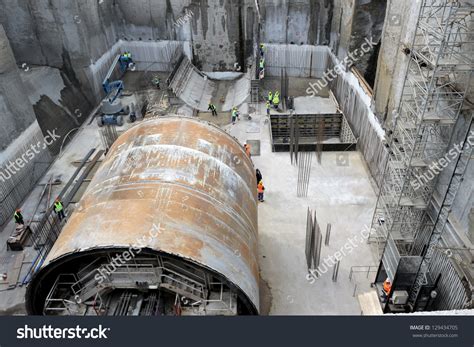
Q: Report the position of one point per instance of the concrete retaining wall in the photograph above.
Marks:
(299, 61)
(355, 105)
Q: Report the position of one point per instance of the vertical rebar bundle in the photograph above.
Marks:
(108, 134)
(294, 138)
(313, 241)
(304, 173)
(320, 139)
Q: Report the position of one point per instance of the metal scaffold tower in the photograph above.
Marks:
(437, 79)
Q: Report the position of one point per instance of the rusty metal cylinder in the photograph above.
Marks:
(189, 181)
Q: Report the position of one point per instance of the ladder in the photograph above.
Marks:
(184, 286)
(254, 91)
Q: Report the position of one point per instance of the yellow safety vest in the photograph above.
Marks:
(58, 206)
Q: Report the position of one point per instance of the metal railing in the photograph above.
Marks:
(365, 269)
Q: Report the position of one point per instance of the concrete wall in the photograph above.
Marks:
(460, 224)
(355, 104)
(218, 34)
(214, 27)
(23, 159)
(16, 113)
(342, 27)
(398, 31)
(353, 22)
(367, 23)
(298, 22)
(67, 37)
(46, 32)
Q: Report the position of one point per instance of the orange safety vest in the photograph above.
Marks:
(260, 187)
(387, 287)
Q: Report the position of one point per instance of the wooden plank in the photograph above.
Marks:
(370, 304)
(368, 89)
(14, 273)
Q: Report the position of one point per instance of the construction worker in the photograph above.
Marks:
(124, 57)
(276, 100)
(387, 288)
(59, 209)
(260, 190)
(259, 176)
(247, 149)
(213, 109)
(125, 61)
(262, 64)
(156, 81)
(270, 96)
(235, 114)
(262, 50)
(267, 105)
(18, 217)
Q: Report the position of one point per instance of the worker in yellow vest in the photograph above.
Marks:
(276, 100)
(18, 217)
(235, 114)
(59, 209)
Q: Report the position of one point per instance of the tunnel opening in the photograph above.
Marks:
(151, 283)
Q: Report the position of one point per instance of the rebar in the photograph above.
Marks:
(328, 234)
(335, 271)
(108, 134)
(313, 241)
(304, 173)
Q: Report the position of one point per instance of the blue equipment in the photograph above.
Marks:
(111, 108)
(113, 89)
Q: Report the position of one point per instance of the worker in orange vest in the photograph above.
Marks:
(247, 149)
(387, 288)
(260, 190)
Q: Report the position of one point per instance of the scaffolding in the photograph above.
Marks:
(437, 80)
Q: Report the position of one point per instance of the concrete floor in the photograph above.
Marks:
(341, 192)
